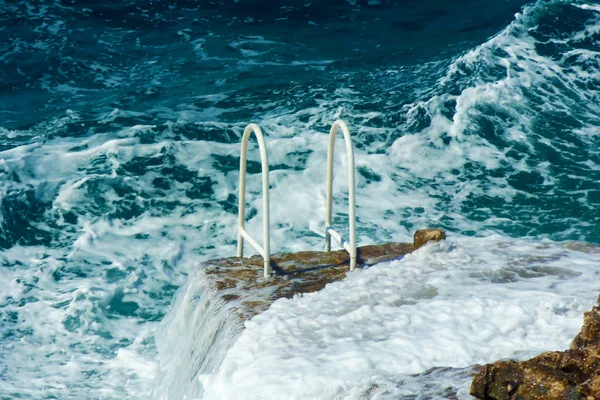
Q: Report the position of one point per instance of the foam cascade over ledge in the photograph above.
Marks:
(210, 310)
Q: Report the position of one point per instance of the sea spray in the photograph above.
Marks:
(193, 338)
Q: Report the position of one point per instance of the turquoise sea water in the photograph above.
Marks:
(119, 150)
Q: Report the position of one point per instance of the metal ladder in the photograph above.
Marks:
(264, 251)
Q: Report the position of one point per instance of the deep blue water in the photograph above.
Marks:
(120, 124)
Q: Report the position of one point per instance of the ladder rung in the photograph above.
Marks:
(253, 242)
(339, 238)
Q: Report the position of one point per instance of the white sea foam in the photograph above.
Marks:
(193, 339)
(484, 299)
(589, 7)
(454, 304)
(468, 301)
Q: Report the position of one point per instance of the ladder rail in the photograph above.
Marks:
(242, 233)
(329, 231)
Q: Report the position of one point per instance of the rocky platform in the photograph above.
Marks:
(572, 374)
(239, 280)
(210, 310)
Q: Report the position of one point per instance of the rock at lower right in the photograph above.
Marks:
(573, 374)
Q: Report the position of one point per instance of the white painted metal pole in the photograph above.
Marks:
(242, 196)
(351, 189)
(329, 199)
(265, 250)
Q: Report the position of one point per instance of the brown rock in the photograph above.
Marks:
(590, 389)
(239, 281)
(572, 374)
(589, 332)
(423, 236)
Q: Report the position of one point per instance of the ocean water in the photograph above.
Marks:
(120, 128)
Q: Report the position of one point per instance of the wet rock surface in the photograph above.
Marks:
(239, 280)
(572, 374)
(422, 236)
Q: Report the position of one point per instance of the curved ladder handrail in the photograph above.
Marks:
(329, 231)
(242, 234)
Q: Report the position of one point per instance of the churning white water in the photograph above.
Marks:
(119, 143)
(448, 306)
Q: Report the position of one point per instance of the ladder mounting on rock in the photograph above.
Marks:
(264, 251)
